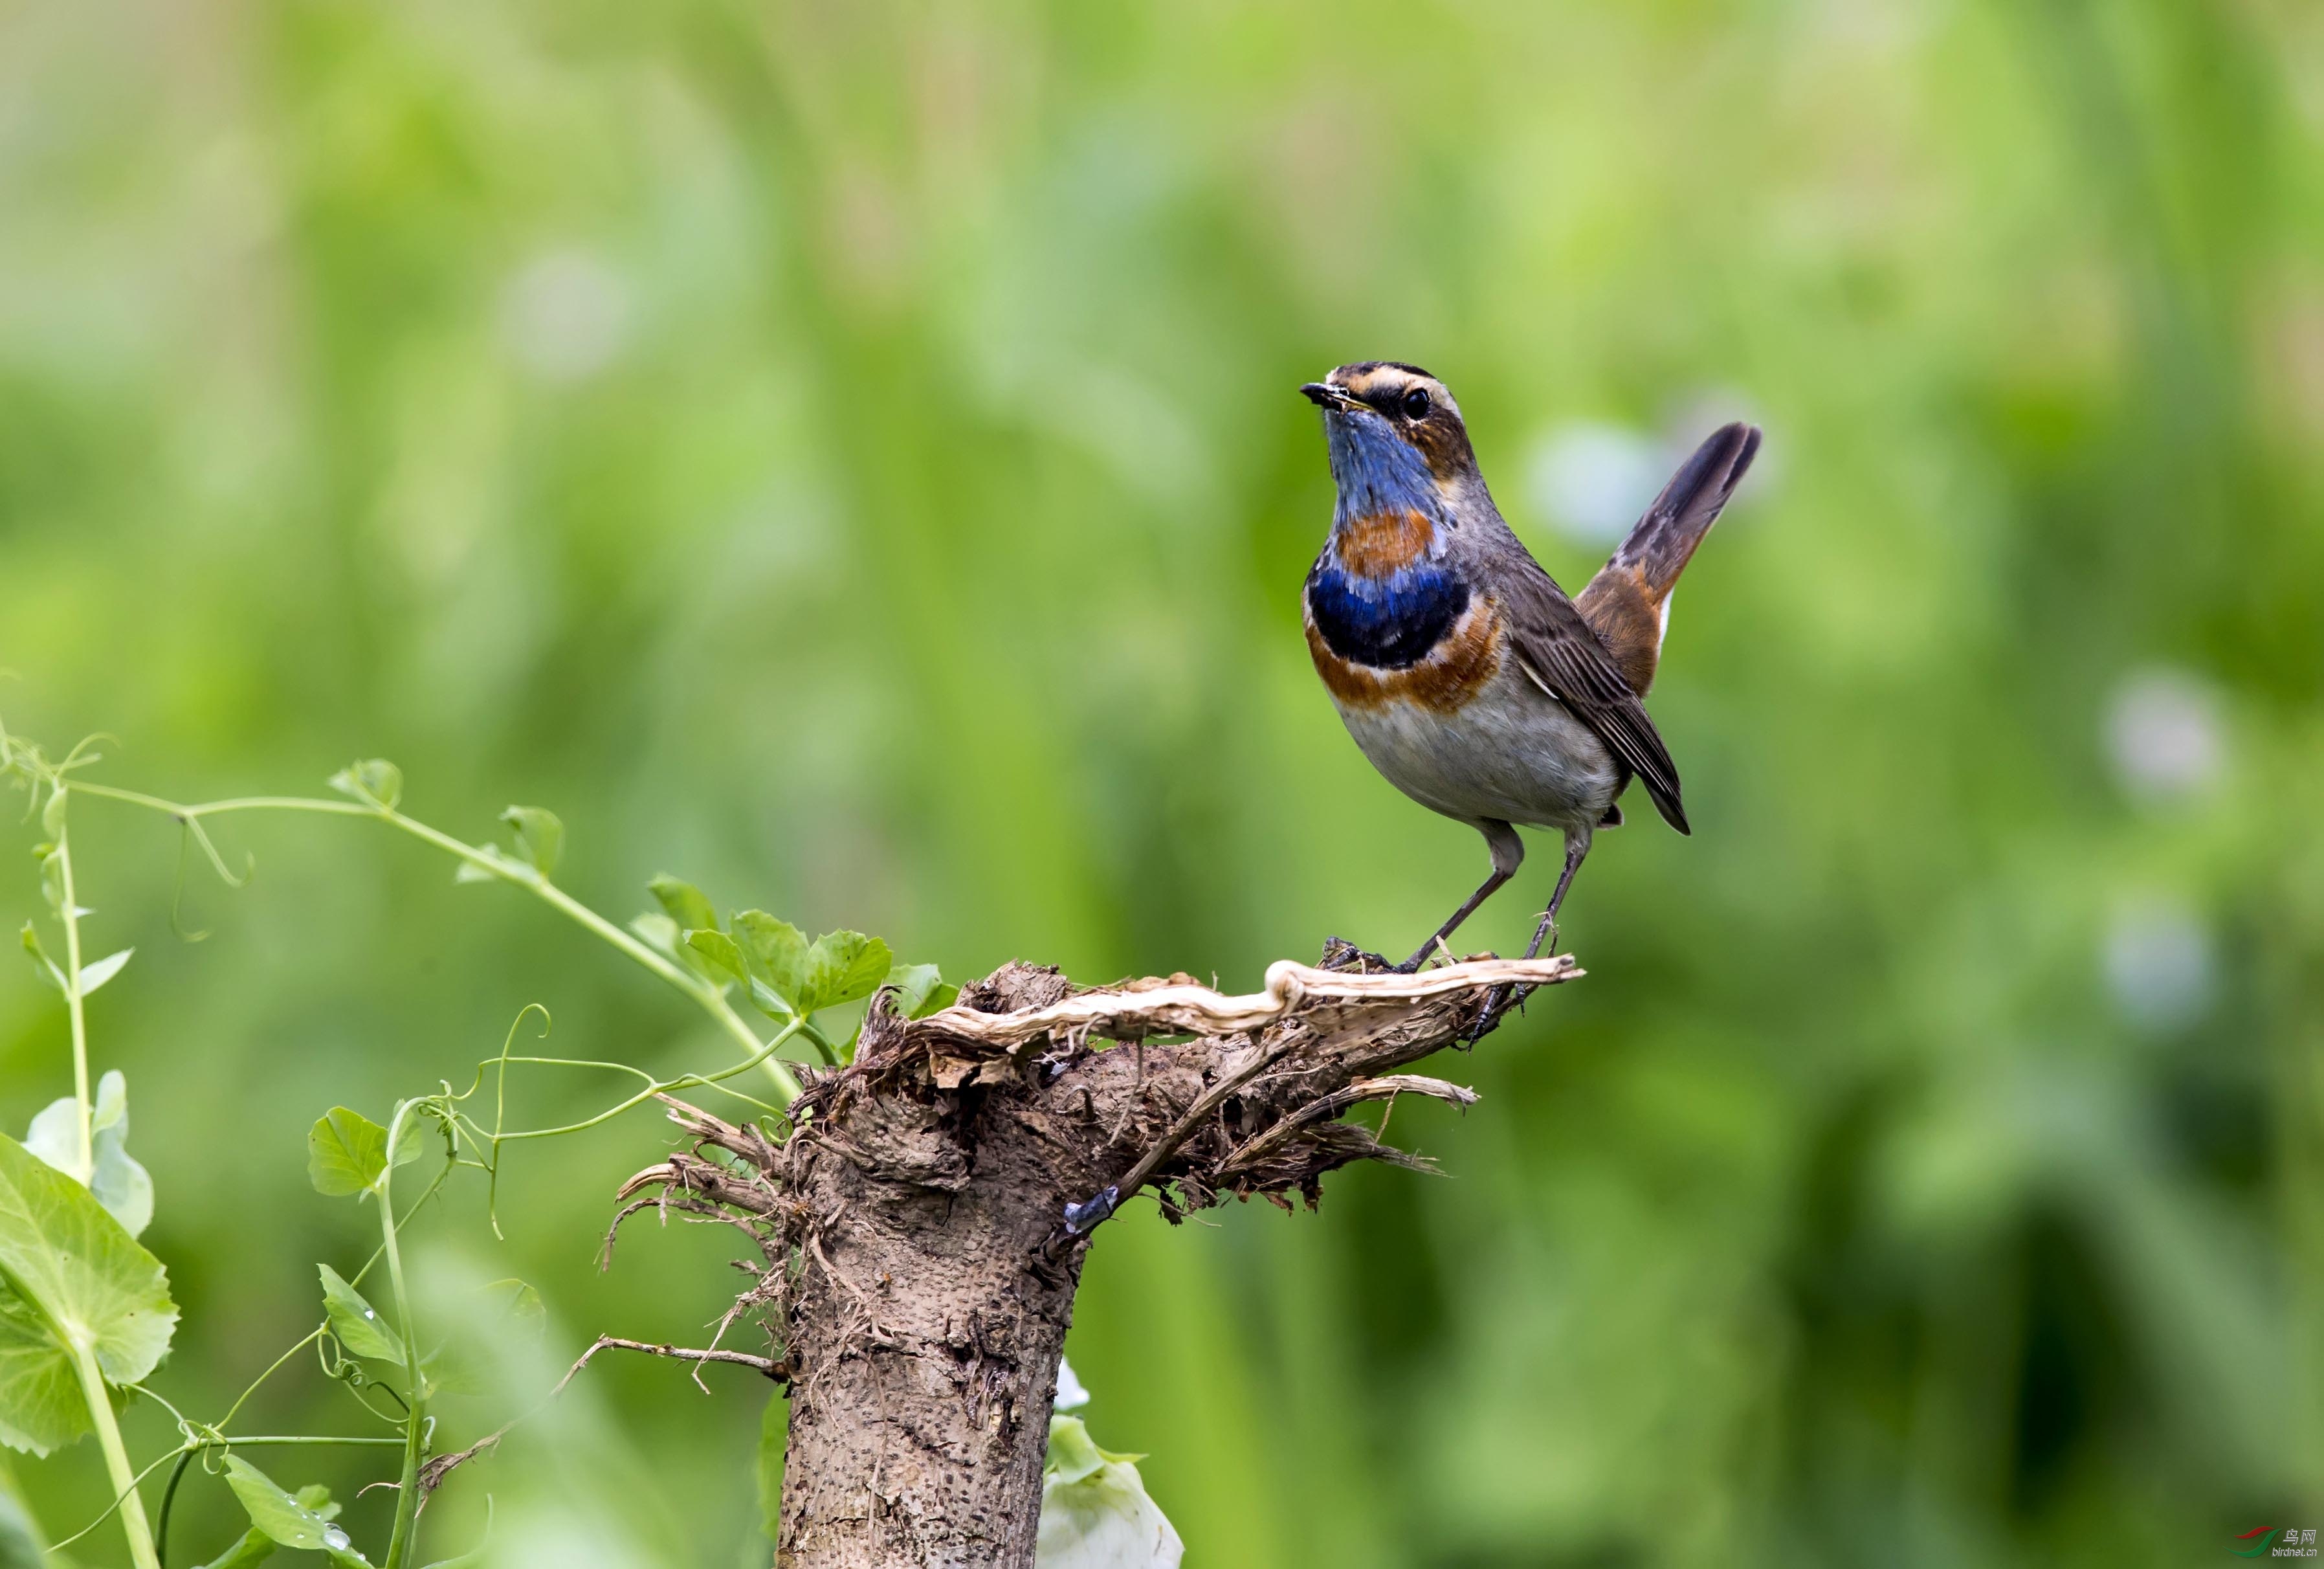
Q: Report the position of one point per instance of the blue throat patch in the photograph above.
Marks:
(1390, 620)
(1389, 623)
(1379, 471)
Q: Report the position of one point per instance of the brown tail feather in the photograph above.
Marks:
(1625, 604)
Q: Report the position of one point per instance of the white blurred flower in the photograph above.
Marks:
(2162, 733)
(1592, 480)
(1070, 1396)
(2159, 964)
(1096, 1513)
(531, 1537)
(565, 315)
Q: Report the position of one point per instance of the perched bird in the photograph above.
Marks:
(1460, 667)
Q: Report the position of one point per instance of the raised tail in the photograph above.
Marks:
(1627, 603)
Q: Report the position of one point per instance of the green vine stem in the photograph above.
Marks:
(116, 1457)
(85, 1167)
(710, 998)
(415, 1415)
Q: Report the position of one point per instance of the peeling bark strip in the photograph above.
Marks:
(917, 1277)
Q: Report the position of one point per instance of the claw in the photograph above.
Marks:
(1081, 1219)
(1339, 954)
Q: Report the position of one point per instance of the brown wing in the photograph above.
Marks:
(1564, 658)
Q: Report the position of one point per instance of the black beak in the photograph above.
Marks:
(1327, 397)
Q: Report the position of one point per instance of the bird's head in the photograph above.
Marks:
(1392, 426)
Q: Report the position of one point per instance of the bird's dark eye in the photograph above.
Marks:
(1416, 403)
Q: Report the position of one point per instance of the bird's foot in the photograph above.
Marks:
(1339, 954)
(1498, 1003)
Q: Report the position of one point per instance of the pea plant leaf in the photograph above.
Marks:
(96, 974)
(254, 1548)
(721, 953)
(453, 1368)
(467, 871)
(921, 989)
(291, 1522)
(837, 967)
(373, 781)
(777, 954)
(74, 1280)
(659, 932)
(539, 837)
(48, 967)
(54, 1135)
(843, 967)
(42, 1406)
(124, 1186)
(683, 903)
(347, 1151)
(356, 1323)
(663, 933)
(52, 881)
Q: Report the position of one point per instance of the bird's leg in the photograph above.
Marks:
(1577, 845)
(1508, 850)
(1484, 891)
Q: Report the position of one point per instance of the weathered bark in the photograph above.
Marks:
(920, 1277)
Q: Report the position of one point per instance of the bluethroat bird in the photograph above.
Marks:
(1460, 667)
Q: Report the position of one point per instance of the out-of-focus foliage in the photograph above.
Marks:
(848, 455)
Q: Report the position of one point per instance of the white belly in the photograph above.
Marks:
(1512, 753)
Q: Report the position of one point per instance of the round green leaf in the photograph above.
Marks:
(42, 1406)
(841, 967)
(75, 1277)
(777, 952)
(347, 1151)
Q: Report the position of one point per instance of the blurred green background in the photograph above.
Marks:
(849, 456)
